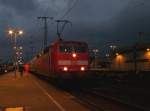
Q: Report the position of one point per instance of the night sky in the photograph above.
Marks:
(98, 22)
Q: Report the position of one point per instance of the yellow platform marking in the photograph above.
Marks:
(14, 109)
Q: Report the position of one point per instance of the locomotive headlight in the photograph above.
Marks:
(74, 55)
(82, 68)
(65, 69)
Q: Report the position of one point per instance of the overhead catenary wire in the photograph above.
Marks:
(59, 31)
(70, 9)
(61, 20)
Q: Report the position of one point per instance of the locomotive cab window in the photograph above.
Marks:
(65, 48)
(68, 48)
(79, 49)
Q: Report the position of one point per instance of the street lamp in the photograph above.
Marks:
(14, 34)
(148, 55)
(10, 32)
(119, 58)
(20, 32)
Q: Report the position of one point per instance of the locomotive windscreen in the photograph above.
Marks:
(68, 48)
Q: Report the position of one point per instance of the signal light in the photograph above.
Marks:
(74, 55)
(82, 68)
(65, 69)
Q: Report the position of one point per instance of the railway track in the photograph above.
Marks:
(97, 101)
(132, 95)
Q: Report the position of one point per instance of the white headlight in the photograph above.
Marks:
(65, 69)
(82, 68)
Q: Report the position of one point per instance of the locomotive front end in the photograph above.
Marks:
(73, 57)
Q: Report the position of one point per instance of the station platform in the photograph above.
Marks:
(28, 93)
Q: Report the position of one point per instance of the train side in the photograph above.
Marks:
(62, 58)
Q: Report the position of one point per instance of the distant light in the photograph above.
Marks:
(95, 50)
(65, 69)
(10, 32)
(15, 47)
(117, 54)
(21, 47)
(107, 55)
(113, 47)
(6, 71)
(148, 49)
(20, 32)
(17, 53)
(65, 50)
(19, 60)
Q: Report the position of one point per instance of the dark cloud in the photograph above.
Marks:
(133, 19)
(20, 6)
(95, 21)
(102, 21)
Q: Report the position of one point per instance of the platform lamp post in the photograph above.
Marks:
(14, 34)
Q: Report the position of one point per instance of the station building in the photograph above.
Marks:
(135, 58)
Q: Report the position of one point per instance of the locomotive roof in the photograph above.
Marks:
(74, 42)
(68, 42)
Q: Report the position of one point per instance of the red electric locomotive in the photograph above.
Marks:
(62, 58)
